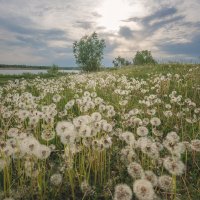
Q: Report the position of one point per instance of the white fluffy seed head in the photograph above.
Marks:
(135, 170)
(142, 131)
(56, 179)
(122, 192)
(174, 166)
(155, 121)
(143, 189)
(195, 145)
(165, 182)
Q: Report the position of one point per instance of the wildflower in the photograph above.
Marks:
(172, 137)
(56, 98)
(68, 138)
(64, 127)
(111, 113)
(157, 132)
(107, 142)
(151, 112)
(47, 135)
(135, 170)
(93, 94)
(69, 104)
(123, 103)
(165, 182)
(137, 121)
(195, 145)
(128, 137)
(29, 145)
(168, 113)
(145, 121)
(85, 187)
(86, 94)
(143, 189)
(122, 192)
(127, 154)
(134, 111)
(107, 127)
(85, 131)
(102, 107)
(13, 132)
(174, 166)
(96, 116)
(142, 131)
(98, 101)
(168, 106)
(150, 176)
(155, 121)
(150, 148)
(56, 179)
(43, 152)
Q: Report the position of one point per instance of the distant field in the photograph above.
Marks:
(128, 133)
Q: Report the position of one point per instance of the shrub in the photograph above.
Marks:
(143, 57)
(119, 62)
(53, 70)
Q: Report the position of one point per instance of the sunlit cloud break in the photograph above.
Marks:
(42, 32)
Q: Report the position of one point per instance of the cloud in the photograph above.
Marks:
(126, 32)
(42, 32)
(191, 48)
(85, 24)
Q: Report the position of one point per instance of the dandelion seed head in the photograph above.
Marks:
(122, 192)
(143, 189)
(142, 131)
(135, 170)
(56, 179)
(165, 182)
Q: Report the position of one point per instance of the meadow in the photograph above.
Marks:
(126, 134)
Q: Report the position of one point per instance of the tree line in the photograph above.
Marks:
(88, 53)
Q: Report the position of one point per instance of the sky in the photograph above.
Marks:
(42, 32)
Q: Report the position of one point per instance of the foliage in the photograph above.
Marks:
(143, 57)
(119, 62)
(88, 52)
(53, 70)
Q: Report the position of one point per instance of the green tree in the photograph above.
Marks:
(88, 52)
(119, 62)
(143, 57)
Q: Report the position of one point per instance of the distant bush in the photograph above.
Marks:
(143, 57)
(53, 70)
(119, 62)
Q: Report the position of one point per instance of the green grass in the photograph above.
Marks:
(104, 170)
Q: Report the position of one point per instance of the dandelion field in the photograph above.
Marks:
(131, 133)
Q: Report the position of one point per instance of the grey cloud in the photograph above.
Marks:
(84, 24)
(191, 48)
(153, 22)
(25, 26)
(126, 32)
(28, 34)
(160, 14)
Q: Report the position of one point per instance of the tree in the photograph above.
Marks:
(119, 62)
(88, 52)
(143, 57)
